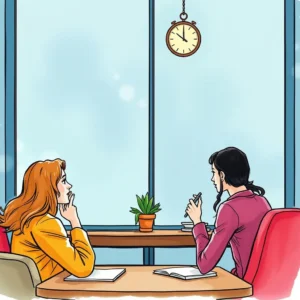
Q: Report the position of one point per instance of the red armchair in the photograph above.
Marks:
(275, 259)
(4, 243)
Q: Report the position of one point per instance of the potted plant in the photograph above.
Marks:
(147, 213)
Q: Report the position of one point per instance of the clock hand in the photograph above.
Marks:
(183, 32)
(181, 37)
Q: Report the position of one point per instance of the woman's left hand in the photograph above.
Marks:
(194, 211)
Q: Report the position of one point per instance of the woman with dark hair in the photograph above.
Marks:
(238, 218)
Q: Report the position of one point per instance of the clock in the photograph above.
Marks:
(183, 38)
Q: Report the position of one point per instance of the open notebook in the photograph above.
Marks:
(184, 273)
(100, 275)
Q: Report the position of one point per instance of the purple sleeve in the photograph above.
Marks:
(210, 251)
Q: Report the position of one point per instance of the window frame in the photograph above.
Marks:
(11, 115)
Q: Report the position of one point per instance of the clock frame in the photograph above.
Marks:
(186, 23)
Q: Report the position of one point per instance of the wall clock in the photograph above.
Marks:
(183, 38)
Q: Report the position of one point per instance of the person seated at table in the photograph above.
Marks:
(238, 218)
(38, 233)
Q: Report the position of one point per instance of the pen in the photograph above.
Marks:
(196, 200)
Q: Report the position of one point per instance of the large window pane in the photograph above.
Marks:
(82, 90)
(2, 121)
(230, 93)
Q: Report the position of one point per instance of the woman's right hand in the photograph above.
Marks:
(69, 212)
(194, 211)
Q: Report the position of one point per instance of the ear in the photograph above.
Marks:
(222, 175)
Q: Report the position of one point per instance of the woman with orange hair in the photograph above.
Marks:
(37, 233)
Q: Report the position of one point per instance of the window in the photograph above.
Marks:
(82, 93)
(230, 93)
(236, 75)
(65, 73)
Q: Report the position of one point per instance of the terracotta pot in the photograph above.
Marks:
(146, 222)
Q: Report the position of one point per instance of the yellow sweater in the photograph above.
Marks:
(46, 242)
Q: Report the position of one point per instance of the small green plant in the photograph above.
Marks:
(146, 207)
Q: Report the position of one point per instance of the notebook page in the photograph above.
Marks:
(185, 271)
(98, 275)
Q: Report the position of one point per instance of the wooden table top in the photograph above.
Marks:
(140, 281)
(136, 233)
(156, 238)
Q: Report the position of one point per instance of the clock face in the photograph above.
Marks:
(183, 39)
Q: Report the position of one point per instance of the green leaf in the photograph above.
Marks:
(149, 207)
(157, 205)
(137, 218)
(134, 210)
(146, 203)
(140, 203)
(155, 209)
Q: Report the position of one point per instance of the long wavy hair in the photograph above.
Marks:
(234, 163)
(38, 196)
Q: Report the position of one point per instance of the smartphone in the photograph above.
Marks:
(196, 200)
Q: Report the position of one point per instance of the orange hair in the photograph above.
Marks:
(38, 196)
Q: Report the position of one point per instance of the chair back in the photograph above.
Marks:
(4, 243)
(18, 276)
(275, 259)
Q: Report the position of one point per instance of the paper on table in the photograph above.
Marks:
(100, 275)
(185, 271)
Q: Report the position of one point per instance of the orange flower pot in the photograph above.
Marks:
(146, 222)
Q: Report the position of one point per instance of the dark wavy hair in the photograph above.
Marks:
(234, 163)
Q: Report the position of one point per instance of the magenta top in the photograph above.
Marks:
(237, 222)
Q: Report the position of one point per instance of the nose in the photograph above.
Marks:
(70, 185)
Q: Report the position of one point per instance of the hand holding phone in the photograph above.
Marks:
(196, 200)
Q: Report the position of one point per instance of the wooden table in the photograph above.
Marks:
(156, 238)
(139, 281)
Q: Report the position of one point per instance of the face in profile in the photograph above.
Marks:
(216, 178)
(64, 188)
